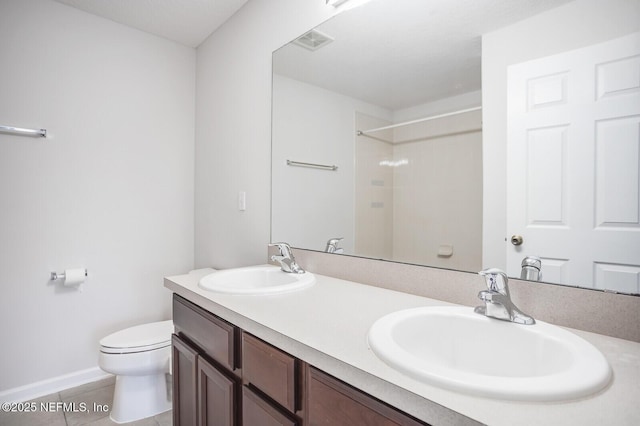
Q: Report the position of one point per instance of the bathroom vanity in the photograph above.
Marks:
(302, 358)
(226, 376)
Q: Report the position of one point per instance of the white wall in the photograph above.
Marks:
(112, 191)
(314, 125)
(578, 24)
(233, 128)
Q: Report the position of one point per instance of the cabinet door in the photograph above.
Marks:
(257, 411)
(331, 402)
(216, 396)
(184, 383)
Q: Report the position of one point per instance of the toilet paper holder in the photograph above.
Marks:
(60, 276)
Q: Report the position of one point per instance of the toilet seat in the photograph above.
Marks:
(141, 338)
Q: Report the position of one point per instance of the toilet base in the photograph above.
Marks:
(139, 397)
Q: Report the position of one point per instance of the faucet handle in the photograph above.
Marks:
(285, 249)
(496, 280)
(286, 259)
(332, 245)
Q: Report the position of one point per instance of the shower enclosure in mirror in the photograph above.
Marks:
(463, 135)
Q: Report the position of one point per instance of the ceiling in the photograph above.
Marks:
(401, 53)
(188, 22)
(432, 47)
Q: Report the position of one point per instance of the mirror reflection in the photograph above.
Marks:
(463, 135)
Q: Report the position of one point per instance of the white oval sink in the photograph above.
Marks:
(255, 280)
(457, 349)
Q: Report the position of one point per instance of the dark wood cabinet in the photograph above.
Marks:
(271, 370)
(332, 402)
(259, 411)
(223, 376)
(212, 335)
(206, 384)
(185, 380)
(272, 386)
(217, 401)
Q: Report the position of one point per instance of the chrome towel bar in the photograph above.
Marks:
(311, 165)
(24, 132)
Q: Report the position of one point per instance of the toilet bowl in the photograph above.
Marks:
(139, 357)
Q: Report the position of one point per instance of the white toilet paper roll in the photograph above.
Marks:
(74, 277)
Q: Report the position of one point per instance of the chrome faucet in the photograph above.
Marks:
(531, 266)
(332, 245)
(497, 300)
(286, 259)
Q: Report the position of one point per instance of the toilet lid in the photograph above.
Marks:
(140, 338)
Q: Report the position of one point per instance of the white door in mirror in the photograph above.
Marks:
(573, 131)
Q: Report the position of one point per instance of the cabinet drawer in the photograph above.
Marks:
(214, 336)
(270, 370)
(256, 411)
(332, 402)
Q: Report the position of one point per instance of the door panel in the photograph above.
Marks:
(184, 383)
(216, 396)
(573, 158)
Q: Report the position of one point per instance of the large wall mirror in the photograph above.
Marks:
(465, 134)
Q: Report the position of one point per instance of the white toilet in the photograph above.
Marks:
(140, 358)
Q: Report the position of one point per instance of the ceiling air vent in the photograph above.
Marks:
(313, 40)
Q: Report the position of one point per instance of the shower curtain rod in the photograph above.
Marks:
(419, 120)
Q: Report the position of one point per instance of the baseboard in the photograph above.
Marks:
(55, 384)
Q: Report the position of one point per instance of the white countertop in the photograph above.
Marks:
(326, 325)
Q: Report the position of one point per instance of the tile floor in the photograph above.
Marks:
(99, 393)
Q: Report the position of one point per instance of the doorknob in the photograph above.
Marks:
(516, 240)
